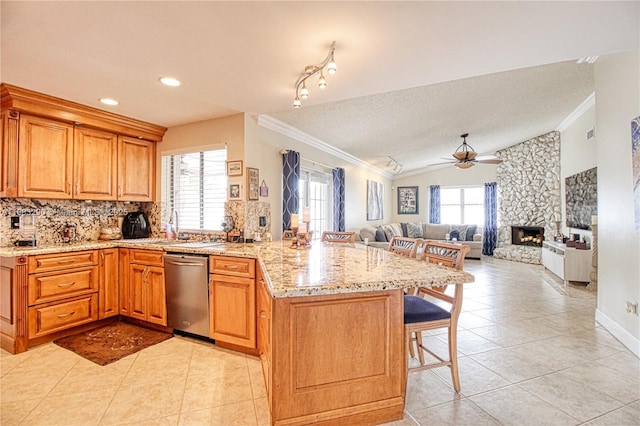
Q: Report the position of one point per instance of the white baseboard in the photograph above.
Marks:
(626, 338)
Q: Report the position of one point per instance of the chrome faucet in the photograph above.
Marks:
(174, 225)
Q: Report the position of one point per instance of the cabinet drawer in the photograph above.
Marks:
(53, 317)
(147, 257)
(235, 266)
(55, 286)
(62, 261)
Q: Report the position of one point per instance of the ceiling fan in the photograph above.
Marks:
(466, 156)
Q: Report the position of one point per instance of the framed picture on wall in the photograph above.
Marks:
(375, 198)
(253, 183)
(234, 168)
(234, 191)
(407, 200)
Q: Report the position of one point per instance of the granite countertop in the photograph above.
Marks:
(322, 269)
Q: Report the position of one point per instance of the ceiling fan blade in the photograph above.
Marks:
(489, 161)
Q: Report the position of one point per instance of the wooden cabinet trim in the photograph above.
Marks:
(49, 106)
(9, 130)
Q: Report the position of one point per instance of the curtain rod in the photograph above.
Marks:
(315, 163)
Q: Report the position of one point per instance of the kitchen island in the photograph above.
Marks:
(330, 324)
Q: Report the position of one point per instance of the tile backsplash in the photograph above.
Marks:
(51, 216)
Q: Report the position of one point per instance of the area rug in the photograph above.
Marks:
(108, 344)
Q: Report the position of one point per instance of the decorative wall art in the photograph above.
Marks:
(253, 183)
(375, 198)
(407, 200)
(234, 168)
(234, 192)
(264, 189)
(635, 161)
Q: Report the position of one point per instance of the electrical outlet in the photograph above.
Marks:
(15, 222)
(263, 220)
(632, 308)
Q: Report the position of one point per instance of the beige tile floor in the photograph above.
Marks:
(530, 353)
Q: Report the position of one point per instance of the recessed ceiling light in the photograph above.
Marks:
(108, 101)
(170, 81)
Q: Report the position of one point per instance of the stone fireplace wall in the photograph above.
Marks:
(529, 185)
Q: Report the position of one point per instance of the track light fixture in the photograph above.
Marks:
(301, 88)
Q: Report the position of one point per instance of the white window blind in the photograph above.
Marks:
(462, 205)
(195, 185)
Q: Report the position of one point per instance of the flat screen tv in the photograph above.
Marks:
(581, 195)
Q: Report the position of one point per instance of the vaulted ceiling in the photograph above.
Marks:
(412, 76)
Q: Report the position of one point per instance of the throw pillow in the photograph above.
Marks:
(380, 236)
(471, 230)
(389, 232)
(405, 233)
(454, 234)
(414, 230)
(397, 230)
(462, 231)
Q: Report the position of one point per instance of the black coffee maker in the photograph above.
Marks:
(136, 225)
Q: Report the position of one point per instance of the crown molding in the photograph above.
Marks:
(268, 122)
(577, 113)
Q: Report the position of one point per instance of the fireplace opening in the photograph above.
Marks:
(527, 235)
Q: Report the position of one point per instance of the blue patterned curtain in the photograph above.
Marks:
(338, 199)
(434, 204)
(290, 179)
(490, 237)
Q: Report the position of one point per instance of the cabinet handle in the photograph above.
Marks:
(102, 254)
(66, 315)
(62, 262)
(69, 188)
(77, 187)
(231, 266)
(263, 314)
(65, 285)
(120, 190)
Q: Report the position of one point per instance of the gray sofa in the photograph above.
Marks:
(381, 235)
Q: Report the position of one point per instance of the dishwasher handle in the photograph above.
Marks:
(173, 262)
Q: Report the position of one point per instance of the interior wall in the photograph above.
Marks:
(617, 83)
(262, 150)
(445, 176)
(577, 154)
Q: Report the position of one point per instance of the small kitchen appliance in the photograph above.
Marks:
(136, 225)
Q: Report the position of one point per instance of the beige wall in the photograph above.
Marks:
(446, 176)
(577, 154)
(617, 83)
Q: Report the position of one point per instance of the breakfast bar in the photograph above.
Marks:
(329, 323)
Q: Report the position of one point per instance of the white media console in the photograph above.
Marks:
(569, 263)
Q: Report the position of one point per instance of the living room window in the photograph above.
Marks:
(463, 205)
(195, 185)
(315, 192)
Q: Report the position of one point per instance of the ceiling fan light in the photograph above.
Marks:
(464, 165)
(460, 155)
(296, 103)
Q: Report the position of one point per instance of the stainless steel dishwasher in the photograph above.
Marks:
(187, 287)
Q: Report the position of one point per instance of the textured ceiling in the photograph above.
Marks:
(411, 76)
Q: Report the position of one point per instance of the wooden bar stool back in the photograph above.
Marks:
(421, 314)
(405, 246)
(338, 237)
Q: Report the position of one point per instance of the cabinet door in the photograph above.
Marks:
(46, 158)
(233, 310)
(136, 174)
(9, 153)
(138, 291)
(264, 328)
(95, 164)
(108, 295)
(125, 292)
(156, 299)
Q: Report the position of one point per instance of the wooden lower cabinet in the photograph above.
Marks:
(109, 296)
(145, 287)
(337, 359)
(232, 301)
(57, 316)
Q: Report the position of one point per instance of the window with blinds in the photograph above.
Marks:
(315, 191)
(462, 205)
(195, 185)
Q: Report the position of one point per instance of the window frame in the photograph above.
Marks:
(462, 203)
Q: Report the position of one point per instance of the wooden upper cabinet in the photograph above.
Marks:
(95, 164)
(136, 174)
(46, 158)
